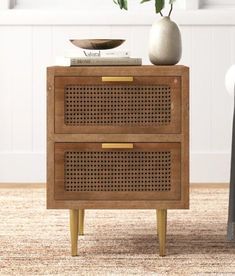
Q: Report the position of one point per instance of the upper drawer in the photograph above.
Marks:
(117, 105)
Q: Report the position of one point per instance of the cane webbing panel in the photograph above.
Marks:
(120, 105)
(117, 171)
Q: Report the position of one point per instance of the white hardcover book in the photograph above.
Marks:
(109, 61)
(97, 53)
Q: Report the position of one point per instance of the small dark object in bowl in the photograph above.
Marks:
(97, 44)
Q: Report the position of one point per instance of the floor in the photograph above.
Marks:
(35, 241)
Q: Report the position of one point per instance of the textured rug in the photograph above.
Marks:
(35, 241)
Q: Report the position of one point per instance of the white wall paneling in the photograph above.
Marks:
(209, 167)
(7, 4)
(221, 106)
(61, 36)
(217, 3)
(139, 45)
(20, 68)
(25, 51)
(21, 167)
(201, 79)
(4, 4)
(42, 57)
(186, 59)
(187, 4)
(5, 95)
(16, 88)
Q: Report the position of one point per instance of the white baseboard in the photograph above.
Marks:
(31, 167)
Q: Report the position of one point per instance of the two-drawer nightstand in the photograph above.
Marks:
(118, 138)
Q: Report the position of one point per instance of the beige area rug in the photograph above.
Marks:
(35, 241)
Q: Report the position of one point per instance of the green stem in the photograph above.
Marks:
(170, 10)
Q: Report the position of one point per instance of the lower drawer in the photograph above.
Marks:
(142, 171)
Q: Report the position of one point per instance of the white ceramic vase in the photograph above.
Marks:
(165, 47)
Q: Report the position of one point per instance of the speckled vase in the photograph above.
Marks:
(165, 47)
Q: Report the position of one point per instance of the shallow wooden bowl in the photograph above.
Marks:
(97, 44)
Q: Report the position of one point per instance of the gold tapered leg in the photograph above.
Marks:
(81, 214)
(74, 231)
(161, 229)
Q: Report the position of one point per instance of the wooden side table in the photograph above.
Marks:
(118, 137)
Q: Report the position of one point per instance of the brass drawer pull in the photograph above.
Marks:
(117, 146)
(118, 79)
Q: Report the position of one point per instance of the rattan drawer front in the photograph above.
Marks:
(87, 171)
(146, 105)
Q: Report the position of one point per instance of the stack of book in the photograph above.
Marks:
(99, 58)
